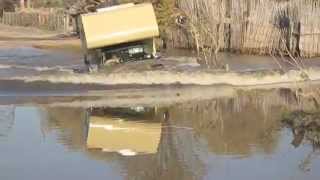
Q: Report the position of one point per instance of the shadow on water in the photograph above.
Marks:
(194, 139)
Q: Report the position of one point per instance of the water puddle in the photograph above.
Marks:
(27, 61)
(126, 124)
(243, 134)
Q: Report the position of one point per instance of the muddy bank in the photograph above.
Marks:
(68, 44)
(71, 95)
(18, 32)
(86, 96)
(13, 37)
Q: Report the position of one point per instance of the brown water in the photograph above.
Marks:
(236, 135)
(66, 127)
(30, 64)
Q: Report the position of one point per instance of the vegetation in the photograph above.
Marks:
(304, 126)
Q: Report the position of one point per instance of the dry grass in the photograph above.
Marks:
(204, 23)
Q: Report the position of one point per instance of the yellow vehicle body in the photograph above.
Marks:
(118, 24)
(112, 135)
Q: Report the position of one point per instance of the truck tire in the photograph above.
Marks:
(93, 60)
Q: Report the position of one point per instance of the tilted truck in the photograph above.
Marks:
(124, 33)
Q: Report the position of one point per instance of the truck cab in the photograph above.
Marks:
(119, 33)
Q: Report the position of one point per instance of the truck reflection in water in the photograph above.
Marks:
(127, 131)
(141, 140)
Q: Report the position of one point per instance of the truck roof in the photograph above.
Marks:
(107, 9)
(118, 24)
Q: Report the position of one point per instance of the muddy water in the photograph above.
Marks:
(27, 61)
(58, 124)
(238, 134)
(30, 64)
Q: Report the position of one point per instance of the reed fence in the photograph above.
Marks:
(51, 21)
(257, 26)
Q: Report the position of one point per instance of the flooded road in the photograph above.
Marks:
(30, 64)
(236, 135)
(26, 61)
(56, 123)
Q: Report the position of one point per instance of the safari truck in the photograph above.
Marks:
(120, 33)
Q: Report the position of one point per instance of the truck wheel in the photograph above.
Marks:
(92, 60)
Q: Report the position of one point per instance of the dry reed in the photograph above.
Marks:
(255, 26)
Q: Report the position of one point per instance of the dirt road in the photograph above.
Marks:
(11, 37)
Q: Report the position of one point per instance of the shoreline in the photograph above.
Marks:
(145, 95)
